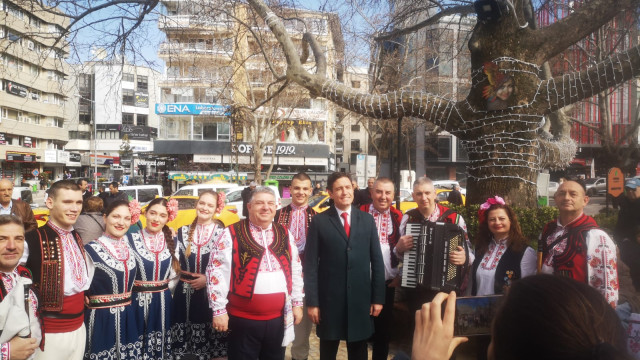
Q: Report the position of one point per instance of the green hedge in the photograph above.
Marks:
(531, 220)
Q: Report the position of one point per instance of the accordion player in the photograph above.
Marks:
(426, 265)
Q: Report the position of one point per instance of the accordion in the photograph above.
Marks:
(427, 264)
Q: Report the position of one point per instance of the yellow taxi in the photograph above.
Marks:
(320, 202)
(441, 197)
(186, 213)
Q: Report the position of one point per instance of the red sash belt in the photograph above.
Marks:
(259, 307)
(69, 319)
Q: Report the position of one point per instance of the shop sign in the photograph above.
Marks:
(192, 109)
(142, 100)
(63, 156)
(305, 114)
(3, 141)
(615, 182)
(16, 89)
(74, 157)
(280, 177)
(135, 132)
(200, 158)
(228, 177)
(268, 150)
(50, 156)
(316, 161)
(20, 156)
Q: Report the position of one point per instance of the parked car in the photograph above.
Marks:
(22, 193)
(596, 186)
(186, 213)
(448, 184)
(441, 197)
(234, 198)
(320, 202)
(142, 193)
(196, 189)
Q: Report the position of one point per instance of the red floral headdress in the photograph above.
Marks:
(172, 209)
(222, 198)
(134, 209)
(487, 204)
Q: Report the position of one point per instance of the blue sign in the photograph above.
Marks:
(192, 109)
(35, 172)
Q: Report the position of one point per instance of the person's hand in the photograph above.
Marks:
(458, 257)
(297, 315)
(173, 232)
(314, 314)
(21, 348)
(404, 243)
(221, 322)
(198, 283)
(375, 309)
(433, 336)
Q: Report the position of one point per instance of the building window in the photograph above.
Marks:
(355, 84)
(127, 77)
(142, 120)
(127, 119)
(355, 145)
(128, 97)
(143, 84)
(355, 128)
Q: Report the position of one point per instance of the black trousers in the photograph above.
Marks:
(382, 325)
(255, 339)
(356, 350)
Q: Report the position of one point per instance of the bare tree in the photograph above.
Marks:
(502, 132)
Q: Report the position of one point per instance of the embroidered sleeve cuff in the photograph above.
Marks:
(298, 303)
(219, 312)
(4, 351)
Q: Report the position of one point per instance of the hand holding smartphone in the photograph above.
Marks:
(474, 314)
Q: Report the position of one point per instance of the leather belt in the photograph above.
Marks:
(57, 315)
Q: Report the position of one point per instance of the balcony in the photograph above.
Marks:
(193, 22)
(174, 49)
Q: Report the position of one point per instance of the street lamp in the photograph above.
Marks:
(94, 142)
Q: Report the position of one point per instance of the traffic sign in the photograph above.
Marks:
(35, 172)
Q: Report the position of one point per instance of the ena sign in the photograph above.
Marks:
(269, 150)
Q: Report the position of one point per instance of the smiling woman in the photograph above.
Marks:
(110, 319)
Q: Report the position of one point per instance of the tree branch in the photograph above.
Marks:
(461, 10)
(557, 37)
(570, 88)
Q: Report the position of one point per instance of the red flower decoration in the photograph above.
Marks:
(134, 209)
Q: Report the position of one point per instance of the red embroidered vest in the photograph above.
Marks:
(247, 255)
(416, 217)
(46, 262)
(573, 262)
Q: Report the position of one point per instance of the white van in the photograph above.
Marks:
(196, 189)
(142, 193)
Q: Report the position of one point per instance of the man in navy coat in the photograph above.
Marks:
(344, 273)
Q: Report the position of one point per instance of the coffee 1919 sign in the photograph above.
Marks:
(269, 150)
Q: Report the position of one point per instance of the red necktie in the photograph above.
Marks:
(347, 227)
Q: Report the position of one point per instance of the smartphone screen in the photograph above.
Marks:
(475, 314)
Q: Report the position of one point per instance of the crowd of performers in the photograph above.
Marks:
(209, 292)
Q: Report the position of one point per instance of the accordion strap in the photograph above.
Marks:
(445, 215)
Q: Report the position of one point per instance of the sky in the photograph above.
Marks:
(95, 34)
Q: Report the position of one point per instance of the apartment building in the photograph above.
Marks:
(32, 73)
(110, 104)
(215, 65)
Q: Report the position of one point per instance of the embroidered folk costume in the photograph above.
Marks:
(256, 274)
(113, 332)
(152, 301)
(60, 276)
(583, 252)
(191, 330)
(12, 310)
(499, 266)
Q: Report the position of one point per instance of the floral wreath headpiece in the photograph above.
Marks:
(487, 204)
(172, 209)
(222, 199)
(134, 209)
